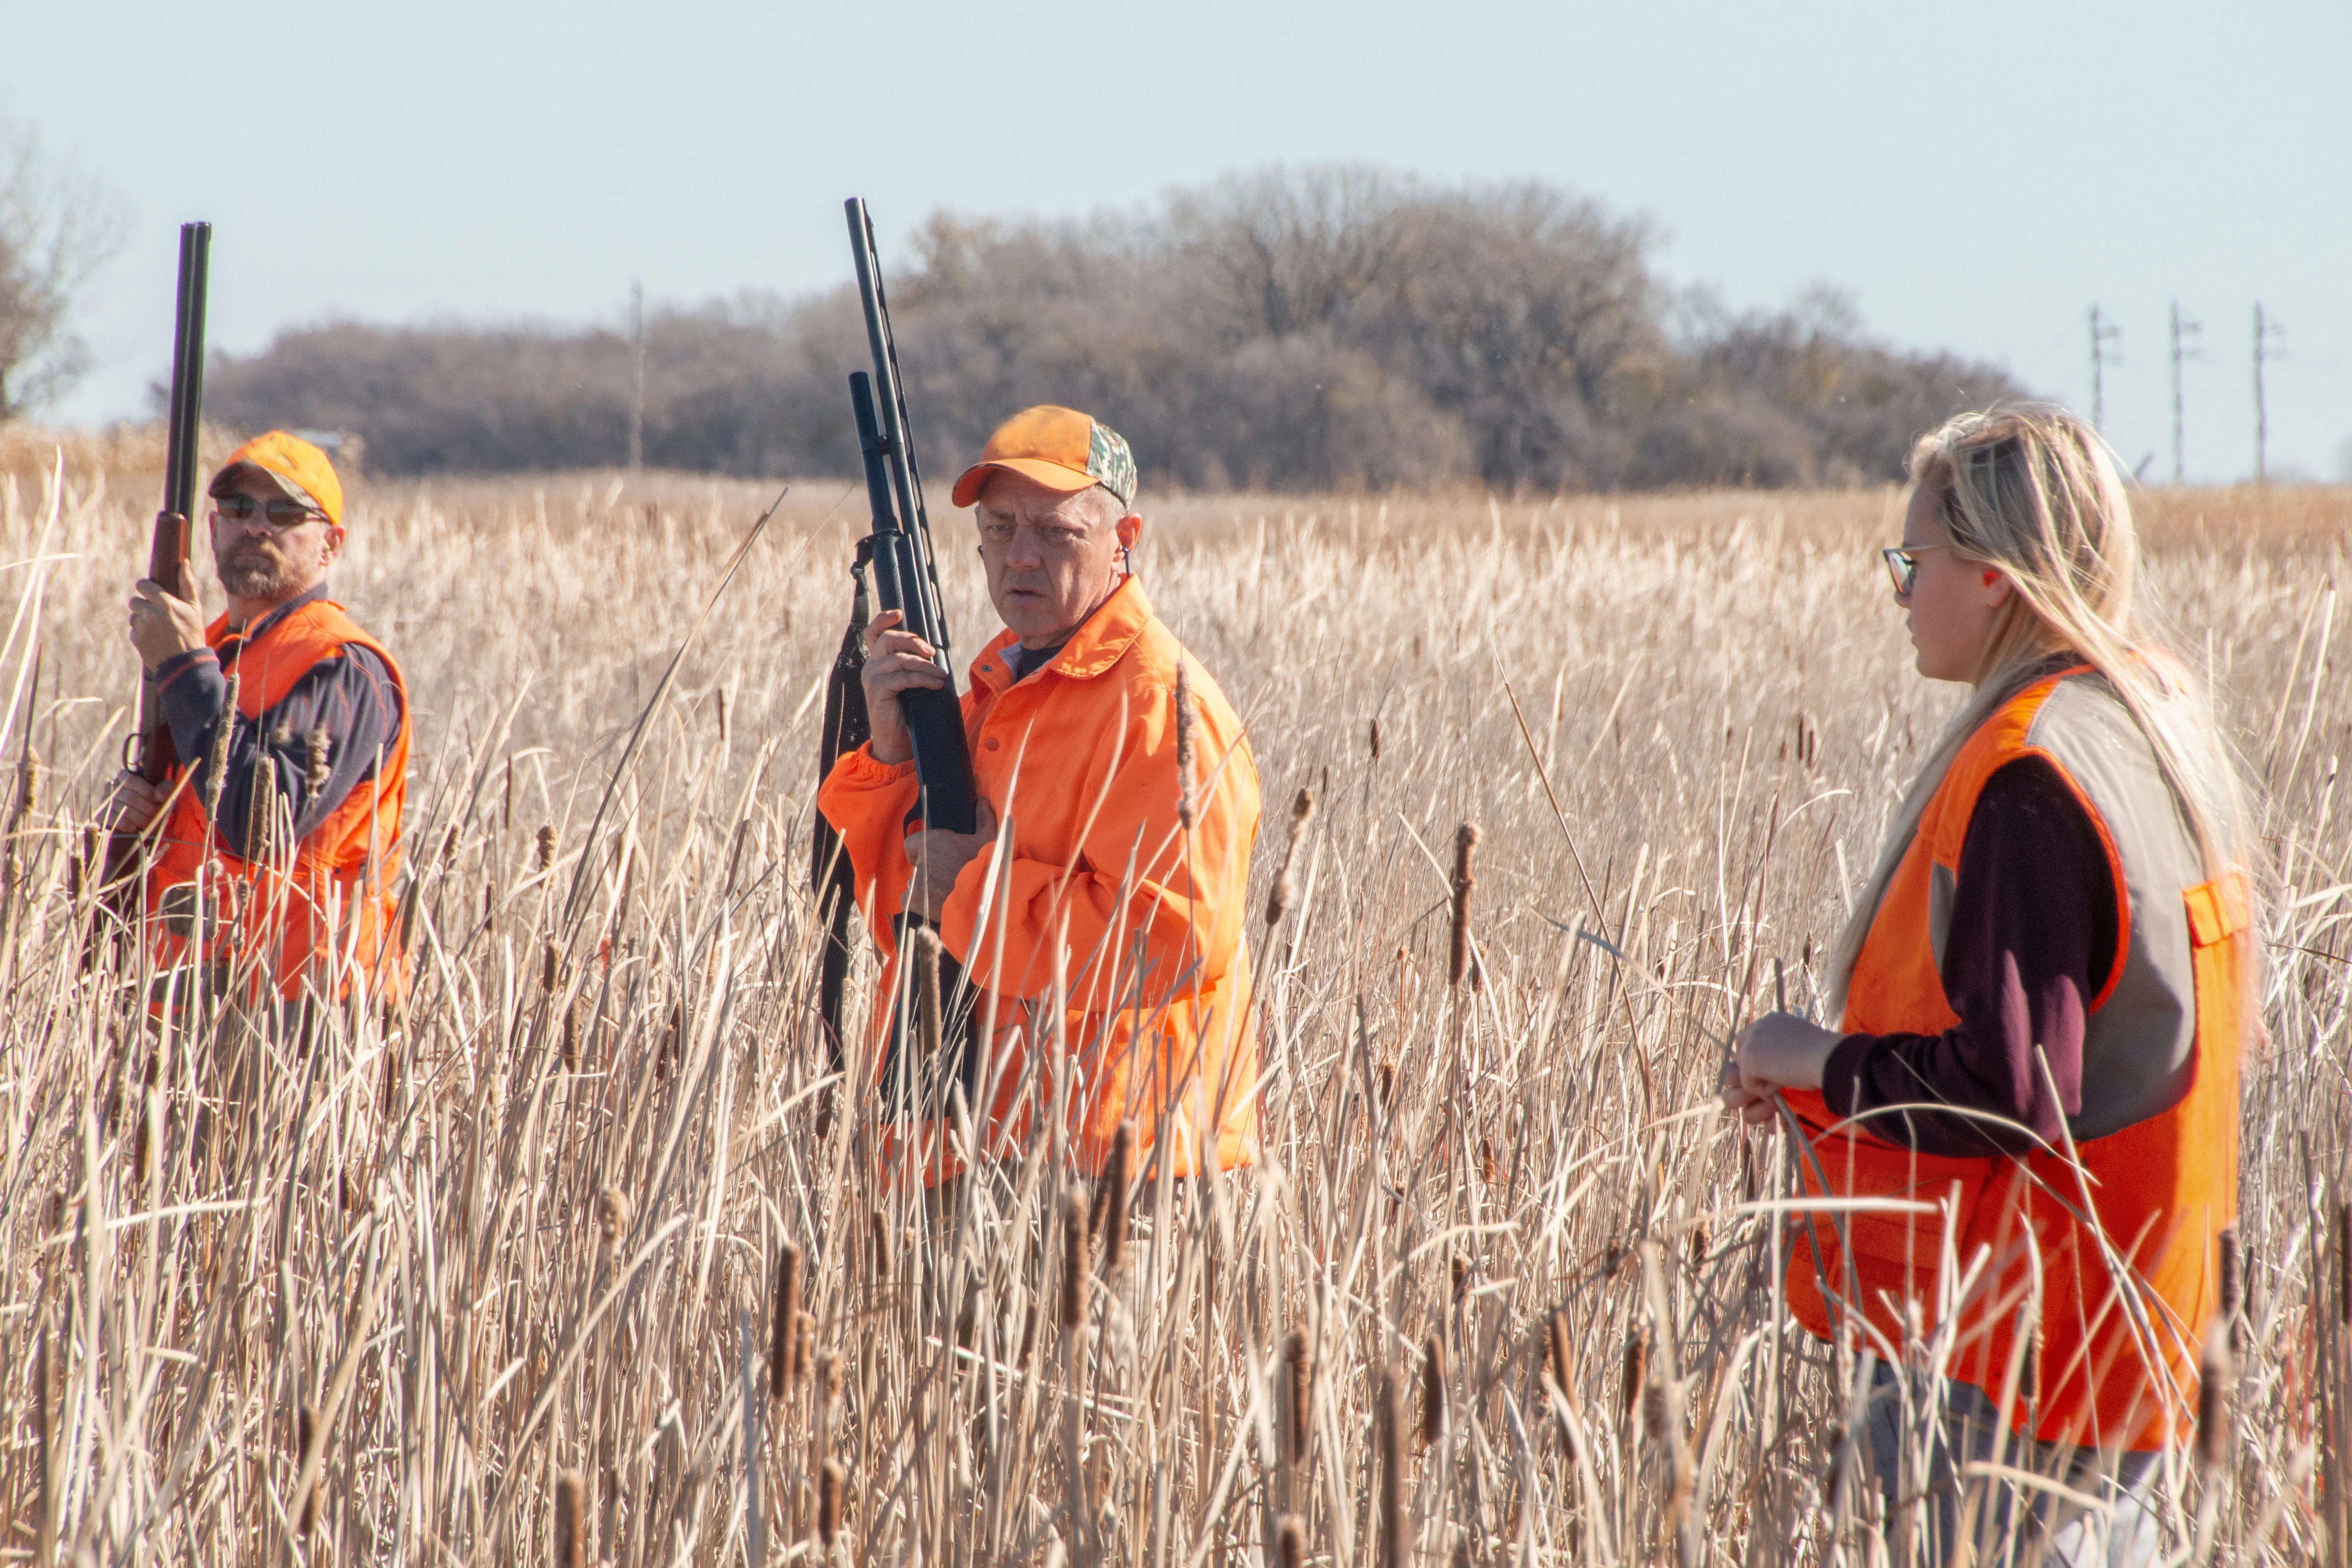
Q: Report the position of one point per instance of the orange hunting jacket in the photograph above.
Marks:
(2094, 1277)
(1080, 759)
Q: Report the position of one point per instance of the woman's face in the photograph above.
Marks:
(1954, 604)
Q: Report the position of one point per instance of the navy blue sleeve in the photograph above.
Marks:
(348, 703)
(2032, 940)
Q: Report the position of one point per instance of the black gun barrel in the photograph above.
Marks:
(186, 419)
(906, 472)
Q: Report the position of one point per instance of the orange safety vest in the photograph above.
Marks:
(1081, 756)
(2126, 1232)
(321, 915)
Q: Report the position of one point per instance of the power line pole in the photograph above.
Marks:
(2103, 332)
(637, 375)
(2182, 327)
(2266, 333)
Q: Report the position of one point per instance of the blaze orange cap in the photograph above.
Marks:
(1060, 448)
(300, 469)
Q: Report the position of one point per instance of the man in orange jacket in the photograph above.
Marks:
(284, 862)
(1116, 866)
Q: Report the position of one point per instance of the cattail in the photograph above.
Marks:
(1388, 1084)
(314, 762)
(29, 783)
(490, 901)
(804, 1343)
(2228, 1283)
(1486, 1172)
(1375, 739)
(546, 846)
(1028, 1337)
(1465, 840)
(570, 1520)
(1559, 1354)
(1184, 745)
(1461, 1275)
(612, 1215)
(449, 845)
(1636, 1376)
(1302, 810)
(1388, 1435)
(1117, 1177)
(506, 807)
(1698, 1245)
(927, 991)
(570, 1045)
(1809, 740)
(2344, 1262)
(1074, 1263)
(1835, 1475)
(306, 1427)
(721, 694)
(1433, 1391)
(829, 1483)
(547, 968)
(1290, 1542)
(881, 1243)
(783, 1320)
(2216, 1380)
(1298, 1408)
(216, 763)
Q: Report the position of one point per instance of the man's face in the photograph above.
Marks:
(260, 561)
(1051, 557)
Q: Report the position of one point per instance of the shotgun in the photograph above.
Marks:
(149, 751)
(905, 579)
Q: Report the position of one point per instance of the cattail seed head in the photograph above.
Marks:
(306, 1429)
(2344, 1262)
(881, 1243)
(1486, 1172)
(783, 1320)
(1374, 739)
(1433, 1391)
(1028, 1337)
(1387, 1085)
(2216, 1382)
(1636, 1375)
(1277, 903)
(546, 846)
(1298, 1411)
(29, 772)
(1466, 841)
(315, 747)
(1698, 1245)
(570, 1520)
(449, 845)
(216, 764)
(612, 1215)
(1290, 1542)
(927, 991)
(548, 965)
(1184, 721)
(803, 1344)
(1560, 1355)
(1074, 1263)
(1388, 1435)
(830, 1482)
(1461, 1275)
(1117, 1177)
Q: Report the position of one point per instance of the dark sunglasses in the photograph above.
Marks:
(1903, 566)
(281, 514)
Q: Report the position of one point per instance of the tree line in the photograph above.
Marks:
(1329, 328)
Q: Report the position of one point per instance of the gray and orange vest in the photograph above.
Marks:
(2099, 1273)
(317, 915)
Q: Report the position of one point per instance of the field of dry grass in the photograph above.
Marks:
(495, 1279)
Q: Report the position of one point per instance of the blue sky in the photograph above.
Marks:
(1975, 176)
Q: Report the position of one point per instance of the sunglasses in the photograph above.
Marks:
(1903, 566)
(281, 514)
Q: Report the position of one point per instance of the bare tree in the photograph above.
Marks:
(58, 227)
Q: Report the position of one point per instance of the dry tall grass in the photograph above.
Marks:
(531, 1273)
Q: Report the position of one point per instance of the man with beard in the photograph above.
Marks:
(270, 881)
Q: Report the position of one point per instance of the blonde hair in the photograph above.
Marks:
(2033, 490)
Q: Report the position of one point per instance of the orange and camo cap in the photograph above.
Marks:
(301, 470)
(1060, 448)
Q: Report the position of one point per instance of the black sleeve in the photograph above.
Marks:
(347, 702)
(2030, 943)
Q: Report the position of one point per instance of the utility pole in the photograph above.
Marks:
(2266, 333)
(637, 375)
(2103, 332)
(2182, 327)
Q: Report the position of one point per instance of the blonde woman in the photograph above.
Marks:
(2043, 992)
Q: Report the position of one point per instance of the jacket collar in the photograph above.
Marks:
(221, 631)
(1100, 641)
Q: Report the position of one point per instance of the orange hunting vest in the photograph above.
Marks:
(321, 913)
(2127, 1238)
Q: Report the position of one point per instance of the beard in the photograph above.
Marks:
(254, 572)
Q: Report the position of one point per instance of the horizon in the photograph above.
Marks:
(1774, 161)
